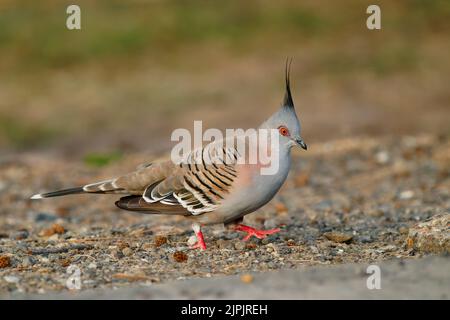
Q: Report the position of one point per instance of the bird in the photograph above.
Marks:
(209, 192)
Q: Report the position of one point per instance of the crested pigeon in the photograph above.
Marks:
(219, 192)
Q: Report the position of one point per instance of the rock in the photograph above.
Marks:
(54, 229)
(65, 262)
(382, 157)
(284, 250)
(376, 213)
(232, 235)
(117, 254)
(52, 257)
(192, 240)
(54, 237)
(239, 245)
(432, 236)
(247, 278)
(45, 217)
(5, 262)
(147, 247)
(159, 241)
(291, 243)
(314, 249)
(127, 251)
(180, 256)
(19, 235)
(118, 231)
(11, 279)
(338, 237)
(403, 230)
(365, 239)
(272, 248)
(406, 195)
(28, 261)
(224, 244)
(388, 248)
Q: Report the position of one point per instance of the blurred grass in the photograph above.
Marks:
(34, 32)
(115, 28)
(101, 159)
(118, 37)
(25, 134)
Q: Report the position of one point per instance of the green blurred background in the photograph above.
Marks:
(139, 69)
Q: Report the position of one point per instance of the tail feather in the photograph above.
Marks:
(58, 193)
(107, 186)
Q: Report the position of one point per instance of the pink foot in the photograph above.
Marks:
(200, 244)
(260, 234)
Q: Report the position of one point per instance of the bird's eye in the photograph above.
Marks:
(283, 131)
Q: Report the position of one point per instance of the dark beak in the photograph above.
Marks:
(301, 143)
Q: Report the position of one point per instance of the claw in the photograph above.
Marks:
(260, 234)
(200, 244)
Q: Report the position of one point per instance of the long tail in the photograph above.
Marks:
(58, 193)
(98, 187)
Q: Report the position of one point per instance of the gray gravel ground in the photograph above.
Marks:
(426, 278)
(356, 201)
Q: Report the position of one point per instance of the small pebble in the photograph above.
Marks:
(224, 244)
(338, 237)
(403, 230)
(5, 261)
(192, 240)
(127, 251)
(406, 195)
(290, 243)
(28, 261)
(147, 247)
(117, 254)
(314, 249)
(382, 157)
(19, 235)
(247, 278)
(45, 217)
(11, 279)
(54, 229)
(180, 256)
(160, 240)
(239, 245)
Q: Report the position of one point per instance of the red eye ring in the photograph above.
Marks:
(283, 131)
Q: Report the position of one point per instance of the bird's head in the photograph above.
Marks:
(285, 120)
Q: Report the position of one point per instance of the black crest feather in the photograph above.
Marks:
(288, 102)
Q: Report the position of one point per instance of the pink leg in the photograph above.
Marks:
(200, 240)
(260, 234)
